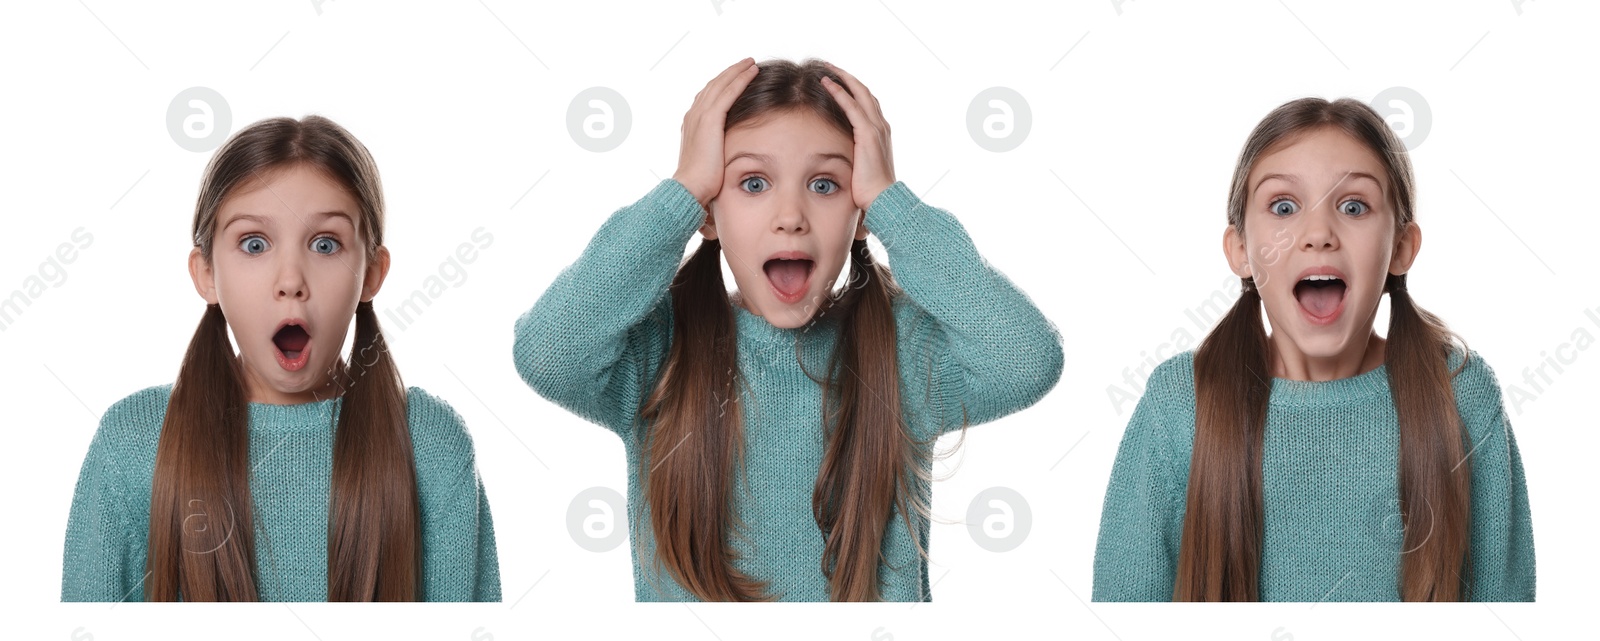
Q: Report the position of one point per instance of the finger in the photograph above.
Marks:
(862, 95)
(716, 87)
(735, 88)
(852, 109)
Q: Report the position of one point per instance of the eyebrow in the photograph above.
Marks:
(264, 222)
(763, 158)
(1290, 178)
(840, 157)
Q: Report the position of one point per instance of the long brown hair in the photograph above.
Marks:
(202, 544)
(696, 442)
(1220, 555)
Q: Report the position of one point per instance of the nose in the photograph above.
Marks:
(790, 216)
(1318, 230)
(291, 281)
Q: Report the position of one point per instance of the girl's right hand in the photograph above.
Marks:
(700, 163)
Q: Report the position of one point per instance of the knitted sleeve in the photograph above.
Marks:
(459, 559)
(994, 353)
(1501, 549)
(101, 561)
(1141, 522)
(593, 340)
(487, 587)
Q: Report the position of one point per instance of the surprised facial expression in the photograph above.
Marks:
(288, 268)
(1320, 239)
(785, 216)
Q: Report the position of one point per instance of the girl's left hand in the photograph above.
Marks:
(872, 169)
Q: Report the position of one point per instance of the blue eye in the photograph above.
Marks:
(324, 245)
(1283, 207)
(1353, 208)
(253, 245)
(824, 186)
(754, 184)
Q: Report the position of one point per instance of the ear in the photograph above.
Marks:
(377, 270)
(1405, 249)
(1238, 257)
(861, 226)
(205, 282)
(709, 229)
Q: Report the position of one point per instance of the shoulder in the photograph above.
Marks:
(1472, 375)
(1165, 411)
(135, 420)
(1177, 370)
(123, 449)
(438, 433)
(1171, 384)
(1477, 391)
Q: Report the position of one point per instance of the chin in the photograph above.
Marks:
(291, 386)
(302, 382)
(789, 316)
(1324, 346)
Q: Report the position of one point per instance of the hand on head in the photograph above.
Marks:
(700, 161)
(873, 167)
(700, 155)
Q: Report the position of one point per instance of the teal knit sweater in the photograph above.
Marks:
(291, 462)
(1330, 486)
(967, 338)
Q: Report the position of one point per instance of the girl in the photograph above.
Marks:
(283, 473)
(778, 440)
(1321, 462)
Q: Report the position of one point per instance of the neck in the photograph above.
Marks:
(1289, 362)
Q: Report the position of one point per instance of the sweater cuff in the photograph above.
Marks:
(890, 209)
(674, 201)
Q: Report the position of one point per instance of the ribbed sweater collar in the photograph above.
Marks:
(1342, 391)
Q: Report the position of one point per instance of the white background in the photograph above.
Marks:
(1138, 108)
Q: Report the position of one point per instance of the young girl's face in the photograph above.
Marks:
(1320, 239)
(288, 267)
(785, 217)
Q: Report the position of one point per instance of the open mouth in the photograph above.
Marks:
(293, 345)
(789, 276)
(1321, 297)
